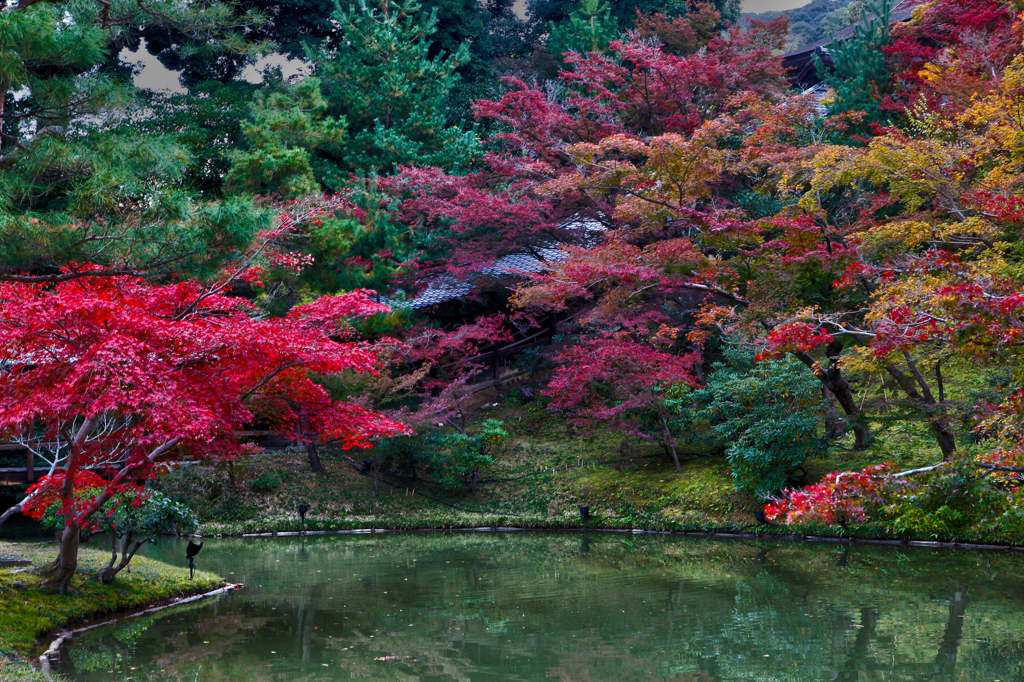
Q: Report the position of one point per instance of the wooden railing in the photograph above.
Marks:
(18, 475)
(495, 359)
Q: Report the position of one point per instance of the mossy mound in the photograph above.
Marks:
(27, 613)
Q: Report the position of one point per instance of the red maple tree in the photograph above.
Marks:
(123, 373)
(619, 382)
(952, 53)
(636, 88)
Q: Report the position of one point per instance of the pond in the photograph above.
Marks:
(474, 606)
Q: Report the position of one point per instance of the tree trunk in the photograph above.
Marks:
(944, 437)
(309, 439)
(102, 575)
(70, 538)
(669, 442)
(4, 87)
(945, 660)
(675, 459)
(936, 421)
(110, 571)
(314, 456)
(831, 376)
(855, 667)
(835, 427)
(67, 561)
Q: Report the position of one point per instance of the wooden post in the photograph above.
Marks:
(30, 467)
(497, 360)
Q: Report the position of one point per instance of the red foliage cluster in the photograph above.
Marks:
(680, 34)
(846, 496)
(637, 88)
(439, 345)
(966, 43)
(47, 492)
(789, 338)
(181, 359)
(272, 246)
(612, 378)
(171, 368)
(475, 218)
(1001, 208)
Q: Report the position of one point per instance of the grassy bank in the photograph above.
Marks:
(28, 613)
(543, 474)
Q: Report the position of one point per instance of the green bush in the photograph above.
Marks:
(146, 515)
(951, 502)
(449, 457)
(131, 518)
(766, 415)
(453, 458)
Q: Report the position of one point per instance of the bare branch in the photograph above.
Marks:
(124, 473)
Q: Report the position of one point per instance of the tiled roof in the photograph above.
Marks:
(819, 92)
(799, 64)
(903, 11)
(448, 288)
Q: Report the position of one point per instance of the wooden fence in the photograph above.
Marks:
(18, 475)
(495, 360)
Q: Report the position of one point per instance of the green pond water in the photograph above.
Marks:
(476, 606)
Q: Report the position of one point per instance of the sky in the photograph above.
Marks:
(153, 75)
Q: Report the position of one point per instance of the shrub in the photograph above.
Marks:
(453, 458)
(132, 517)
(450, 458)
(767, 416)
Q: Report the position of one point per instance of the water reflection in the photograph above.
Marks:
(527, 606)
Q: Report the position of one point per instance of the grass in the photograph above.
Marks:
(556, 470)
(543, 474)
(18, 671)
(28, 613)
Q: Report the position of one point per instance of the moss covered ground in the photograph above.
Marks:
(28, 613)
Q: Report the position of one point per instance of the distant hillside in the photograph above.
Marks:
(813, 21)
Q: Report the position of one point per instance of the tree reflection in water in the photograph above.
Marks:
(529, 606)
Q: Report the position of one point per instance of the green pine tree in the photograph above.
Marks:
(861, 77)
(207, 121)
(80, 181)
(283, 129)
(383, 81)
(588, 29)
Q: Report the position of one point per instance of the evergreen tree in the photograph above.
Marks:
(861, 77)
(79, 180)
(284, 127)
(383, 81)
(207, 121)
(51, 85)
(588, 29)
